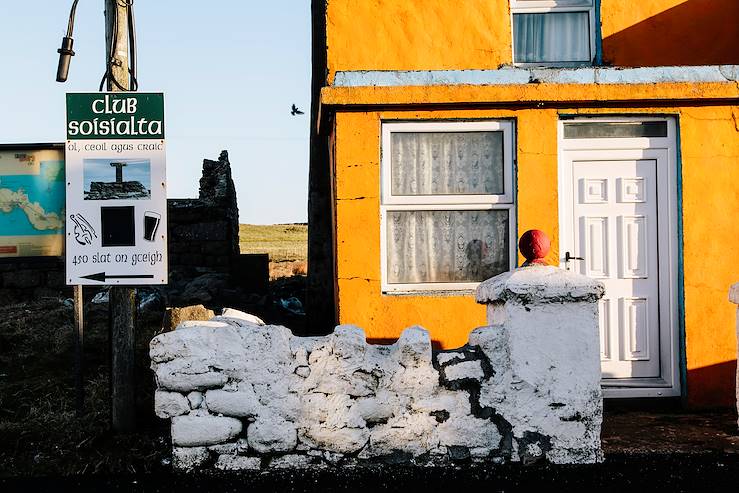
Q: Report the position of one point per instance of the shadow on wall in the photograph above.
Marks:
(697, 32)
(712, 386)
(387, 341)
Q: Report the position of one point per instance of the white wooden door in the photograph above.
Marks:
(618, 224)
(615, 232)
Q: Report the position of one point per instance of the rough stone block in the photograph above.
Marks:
(239, 404)
(464, 370)
(342, 440)
(170, 404)
(238, 463)
(174, 316)
(292, 461)
(270, 434)
(238, 314)
(194, 431)
(195, 399)
(239, 447)
(187, 458)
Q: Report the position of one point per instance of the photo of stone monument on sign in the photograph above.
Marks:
(112, 179)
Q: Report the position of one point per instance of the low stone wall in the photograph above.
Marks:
(23, 278)
(526, 387)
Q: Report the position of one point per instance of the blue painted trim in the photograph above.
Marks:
(521, 75)
(598, 36)
(683, 361)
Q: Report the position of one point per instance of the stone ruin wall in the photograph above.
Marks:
(242, 395)
(204, 232)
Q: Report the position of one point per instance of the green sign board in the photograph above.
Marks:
(120, 115)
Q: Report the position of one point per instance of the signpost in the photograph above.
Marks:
(116, 217)
(116, 189)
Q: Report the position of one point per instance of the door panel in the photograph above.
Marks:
(615, 230)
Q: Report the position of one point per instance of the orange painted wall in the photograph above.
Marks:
(670, 32)
(449, 318)
(476, 34)
(417, 34)
(709, 139)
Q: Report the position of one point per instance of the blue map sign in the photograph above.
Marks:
(32, 198)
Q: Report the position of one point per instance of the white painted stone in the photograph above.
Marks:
(380, 407)
(444, 358)
(193, 431)
(180, 381)
(453, 402)
(301, 356)
(468, 431)
(229, 462)
(343, 440)
(546, 359)
(270, 434)
(195, 399)
(239, 447)
(187, 458)
(292, 461)
(170, 404)
(411, 433)
(248, 317)
(413, 347)
(464, 370)
(187, 324)
(240, 404)
(536, 283)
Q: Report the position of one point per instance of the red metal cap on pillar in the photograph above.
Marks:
(534, 245)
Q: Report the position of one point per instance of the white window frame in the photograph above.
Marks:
(549, 6)
(390, 202)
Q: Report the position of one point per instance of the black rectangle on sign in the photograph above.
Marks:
(118, 226)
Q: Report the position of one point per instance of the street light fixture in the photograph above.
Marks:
(65, 52)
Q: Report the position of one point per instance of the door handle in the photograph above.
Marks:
(569, 257)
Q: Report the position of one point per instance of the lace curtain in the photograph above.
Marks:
(446, 246)
(447, 163)
(552, 37)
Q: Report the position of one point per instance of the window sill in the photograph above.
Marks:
(440, 293)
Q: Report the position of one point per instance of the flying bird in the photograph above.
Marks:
(295, 111)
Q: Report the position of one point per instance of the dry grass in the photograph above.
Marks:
(41, 435)
(286, 245)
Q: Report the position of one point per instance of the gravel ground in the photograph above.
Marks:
(650, 472)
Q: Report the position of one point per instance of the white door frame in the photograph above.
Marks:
(668, 384)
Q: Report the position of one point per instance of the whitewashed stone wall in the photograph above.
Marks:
(734, 298)
(527, 387)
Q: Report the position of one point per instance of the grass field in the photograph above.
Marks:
(286, 244)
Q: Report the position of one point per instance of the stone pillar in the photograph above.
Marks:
(542, 341)
(734, 298)
(118, 171)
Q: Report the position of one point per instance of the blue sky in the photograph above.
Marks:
(230, 71)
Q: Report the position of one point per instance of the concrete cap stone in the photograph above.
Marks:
(539, 284)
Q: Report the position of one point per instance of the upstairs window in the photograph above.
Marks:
(553, 32)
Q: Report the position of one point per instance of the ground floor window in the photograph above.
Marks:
(447, 204)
